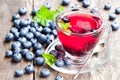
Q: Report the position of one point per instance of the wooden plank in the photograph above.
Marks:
(7, 68)
(38, 4)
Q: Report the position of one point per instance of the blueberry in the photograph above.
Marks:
(36, 34)
(32, 30)
(9, 53)
(23, 23)
(49, 41)
(35, 25)
(17, 57)
(22, 11)
(50, 36)
(23, 32)
(37, 46)
(86, 3)
(29, 21)
(23, 52)
(112, 16)
(68, 61)
(33, 40)
(59, 78)
(29, 69)
(61, 54)
(75, 7)
(29, 56)
(65, 2)
(16, 50)
(16, 35)
(48, 5)
(107, 6)
(22, 39)
(54, 52)
(51, 25)
(34, 12)
(115, 26)
(45, 72)
(26, 28)
(95, 9)
(29, 35)
(59, 47)
(9, 37)
(17, 23)
(15, 16)
(39, 29)
(59, 63)
(48, 23)
(39, 52)
(65, 19)
(13, 30)
(27, 44)
(42, 38)
(19, 73)
(16, 44)
(39, 61)
(54, 32)
(117, 10)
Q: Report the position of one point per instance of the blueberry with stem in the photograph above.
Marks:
(112, 16)
(17, 57)
(39, 61)
(59, 63)
(107, 6)
(29, 69)
(115, 26)
(22, 11)
(9, 37)
(117, 10)
(65, 2)
(45, 72)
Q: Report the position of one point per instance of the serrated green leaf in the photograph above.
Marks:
(64, 25)
(45, 14)
(49, 59)
(36, 19)
(43, 21)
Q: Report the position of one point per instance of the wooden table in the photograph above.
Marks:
(110, 71)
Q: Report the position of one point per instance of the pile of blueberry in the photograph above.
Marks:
(26, 35)
(59, 53)
(28, 40)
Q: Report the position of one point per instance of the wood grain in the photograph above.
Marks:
(110, 71)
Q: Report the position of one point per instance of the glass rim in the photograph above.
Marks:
(77, 9)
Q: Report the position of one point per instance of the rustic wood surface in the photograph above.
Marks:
(110, 71)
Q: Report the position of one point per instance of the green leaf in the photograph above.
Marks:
(36, 19)
(45, 14)
(43, 21)
(49, 59)
(64, 25)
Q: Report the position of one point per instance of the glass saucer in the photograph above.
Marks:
(100, 56)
